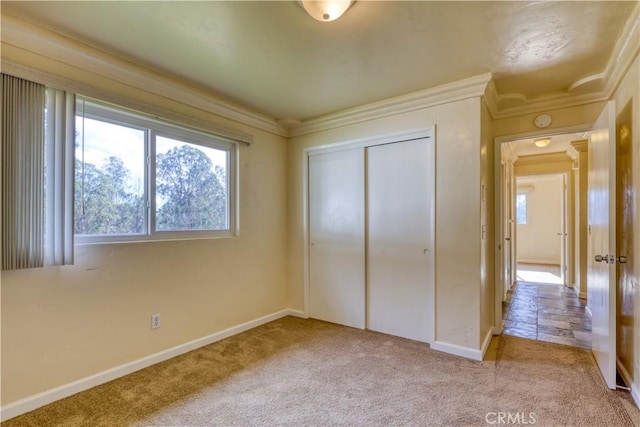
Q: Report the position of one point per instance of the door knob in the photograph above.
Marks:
(621, 259)
(600, 258)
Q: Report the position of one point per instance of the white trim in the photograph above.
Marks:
(443, 94)
(624, 52)
(486, 342)
(457, 350)
(545, 103)
(50, 46)
(623, 372)
(41, 399)
(297, 313)
(588, 311)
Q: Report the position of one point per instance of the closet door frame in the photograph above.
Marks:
(419, 133)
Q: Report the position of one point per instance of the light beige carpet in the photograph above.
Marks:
(304, 372)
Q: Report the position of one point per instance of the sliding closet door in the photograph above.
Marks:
(337, 230)
(399, 227)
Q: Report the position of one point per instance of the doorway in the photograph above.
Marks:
(541, 229)
(538, 209)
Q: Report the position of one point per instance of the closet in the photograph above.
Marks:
(371, 237)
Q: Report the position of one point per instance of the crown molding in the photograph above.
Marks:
(544, 103)
(443, 94)
(622, 56)
(492, 98)
(625, 51)
(21, 39)
(543, 158)
(573, 153)
(581, 145)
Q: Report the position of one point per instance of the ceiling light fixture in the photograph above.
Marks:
(326, 10)
(542, 142)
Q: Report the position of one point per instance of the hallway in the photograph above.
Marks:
(546, 312)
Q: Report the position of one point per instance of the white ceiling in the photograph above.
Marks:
(275, 59)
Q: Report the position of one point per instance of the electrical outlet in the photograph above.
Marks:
(155, 321)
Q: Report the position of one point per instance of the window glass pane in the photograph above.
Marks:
(191, 186)
(109, 187)
(521, 208)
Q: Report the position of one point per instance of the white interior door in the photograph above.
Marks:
(601, 219)
(399, 280)
(337, 237)
(507, 226)
(564, 261)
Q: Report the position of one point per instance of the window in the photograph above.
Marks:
(137, 178)
(521, 209)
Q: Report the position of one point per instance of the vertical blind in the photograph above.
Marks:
(23, 105)
(59, 178)
(38, 136)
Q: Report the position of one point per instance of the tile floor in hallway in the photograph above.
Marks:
(546, 312)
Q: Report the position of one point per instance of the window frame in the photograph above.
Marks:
(153, 127)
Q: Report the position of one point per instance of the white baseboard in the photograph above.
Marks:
(623, 372)
(458, 350)
(486, 342)
(298, 313)
(588, 311)
(628, 380)
(41, 399)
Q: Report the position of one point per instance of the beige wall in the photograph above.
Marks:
(629, 91)
(457, 254)
(65, 323)
(537, 239)
(579, 116)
